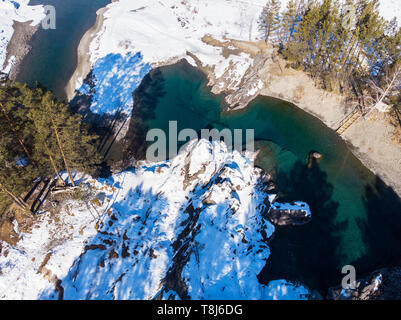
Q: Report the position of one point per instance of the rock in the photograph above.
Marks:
(383, 284)
(314, 157)
(293, 214)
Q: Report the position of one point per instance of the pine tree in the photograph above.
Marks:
(64, 138)
(269, 20)
(39, 137)
(289, 20)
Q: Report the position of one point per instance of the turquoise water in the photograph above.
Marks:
(53, 58)
(348, 202)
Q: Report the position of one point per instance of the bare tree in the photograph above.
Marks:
(390, 82)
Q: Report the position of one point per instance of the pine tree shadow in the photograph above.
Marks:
(308, 253)
(101, 124)
(146, 99)
(115, 262)
(381, 230)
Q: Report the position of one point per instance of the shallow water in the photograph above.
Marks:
(53, 58)
(348, 202)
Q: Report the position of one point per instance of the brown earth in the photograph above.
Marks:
(18, 45)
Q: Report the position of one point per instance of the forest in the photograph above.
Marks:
(345, 46)
(39, 138)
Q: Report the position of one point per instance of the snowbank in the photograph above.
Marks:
(162, 30)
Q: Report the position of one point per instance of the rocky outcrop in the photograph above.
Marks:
(289, 214)
(384, 284)
(193, 227)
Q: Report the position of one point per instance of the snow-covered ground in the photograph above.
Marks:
(390, 9)
(10, 11)
(191, 227)
(165, 31)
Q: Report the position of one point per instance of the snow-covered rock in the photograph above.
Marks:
(191, 227)
(10, 11)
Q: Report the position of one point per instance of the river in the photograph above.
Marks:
(356, 217)
(53, 58)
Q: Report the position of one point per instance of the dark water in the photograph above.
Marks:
(53, 58)
(356, 217)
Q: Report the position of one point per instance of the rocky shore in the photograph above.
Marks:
(383, 284)
(18, 22)
(84, 64)
(19, 47)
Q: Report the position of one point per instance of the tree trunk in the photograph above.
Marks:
(16, 199)
(387, 91)
(54, 165)
(62, 154)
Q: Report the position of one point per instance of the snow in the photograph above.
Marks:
(63, 237)
(259, 85)
(202, 215)
(296, 206)
(10, 11)
(140, 27)
(390, 9)
(285, 290)
(115, 78)
(165, 31)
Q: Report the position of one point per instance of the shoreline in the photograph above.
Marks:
(19, 46)
(374, 148)
(83, 62)
(371, 140)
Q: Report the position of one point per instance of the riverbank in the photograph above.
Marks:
(19, 46)
(372, 140)
(84, 64)
(18, 22)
